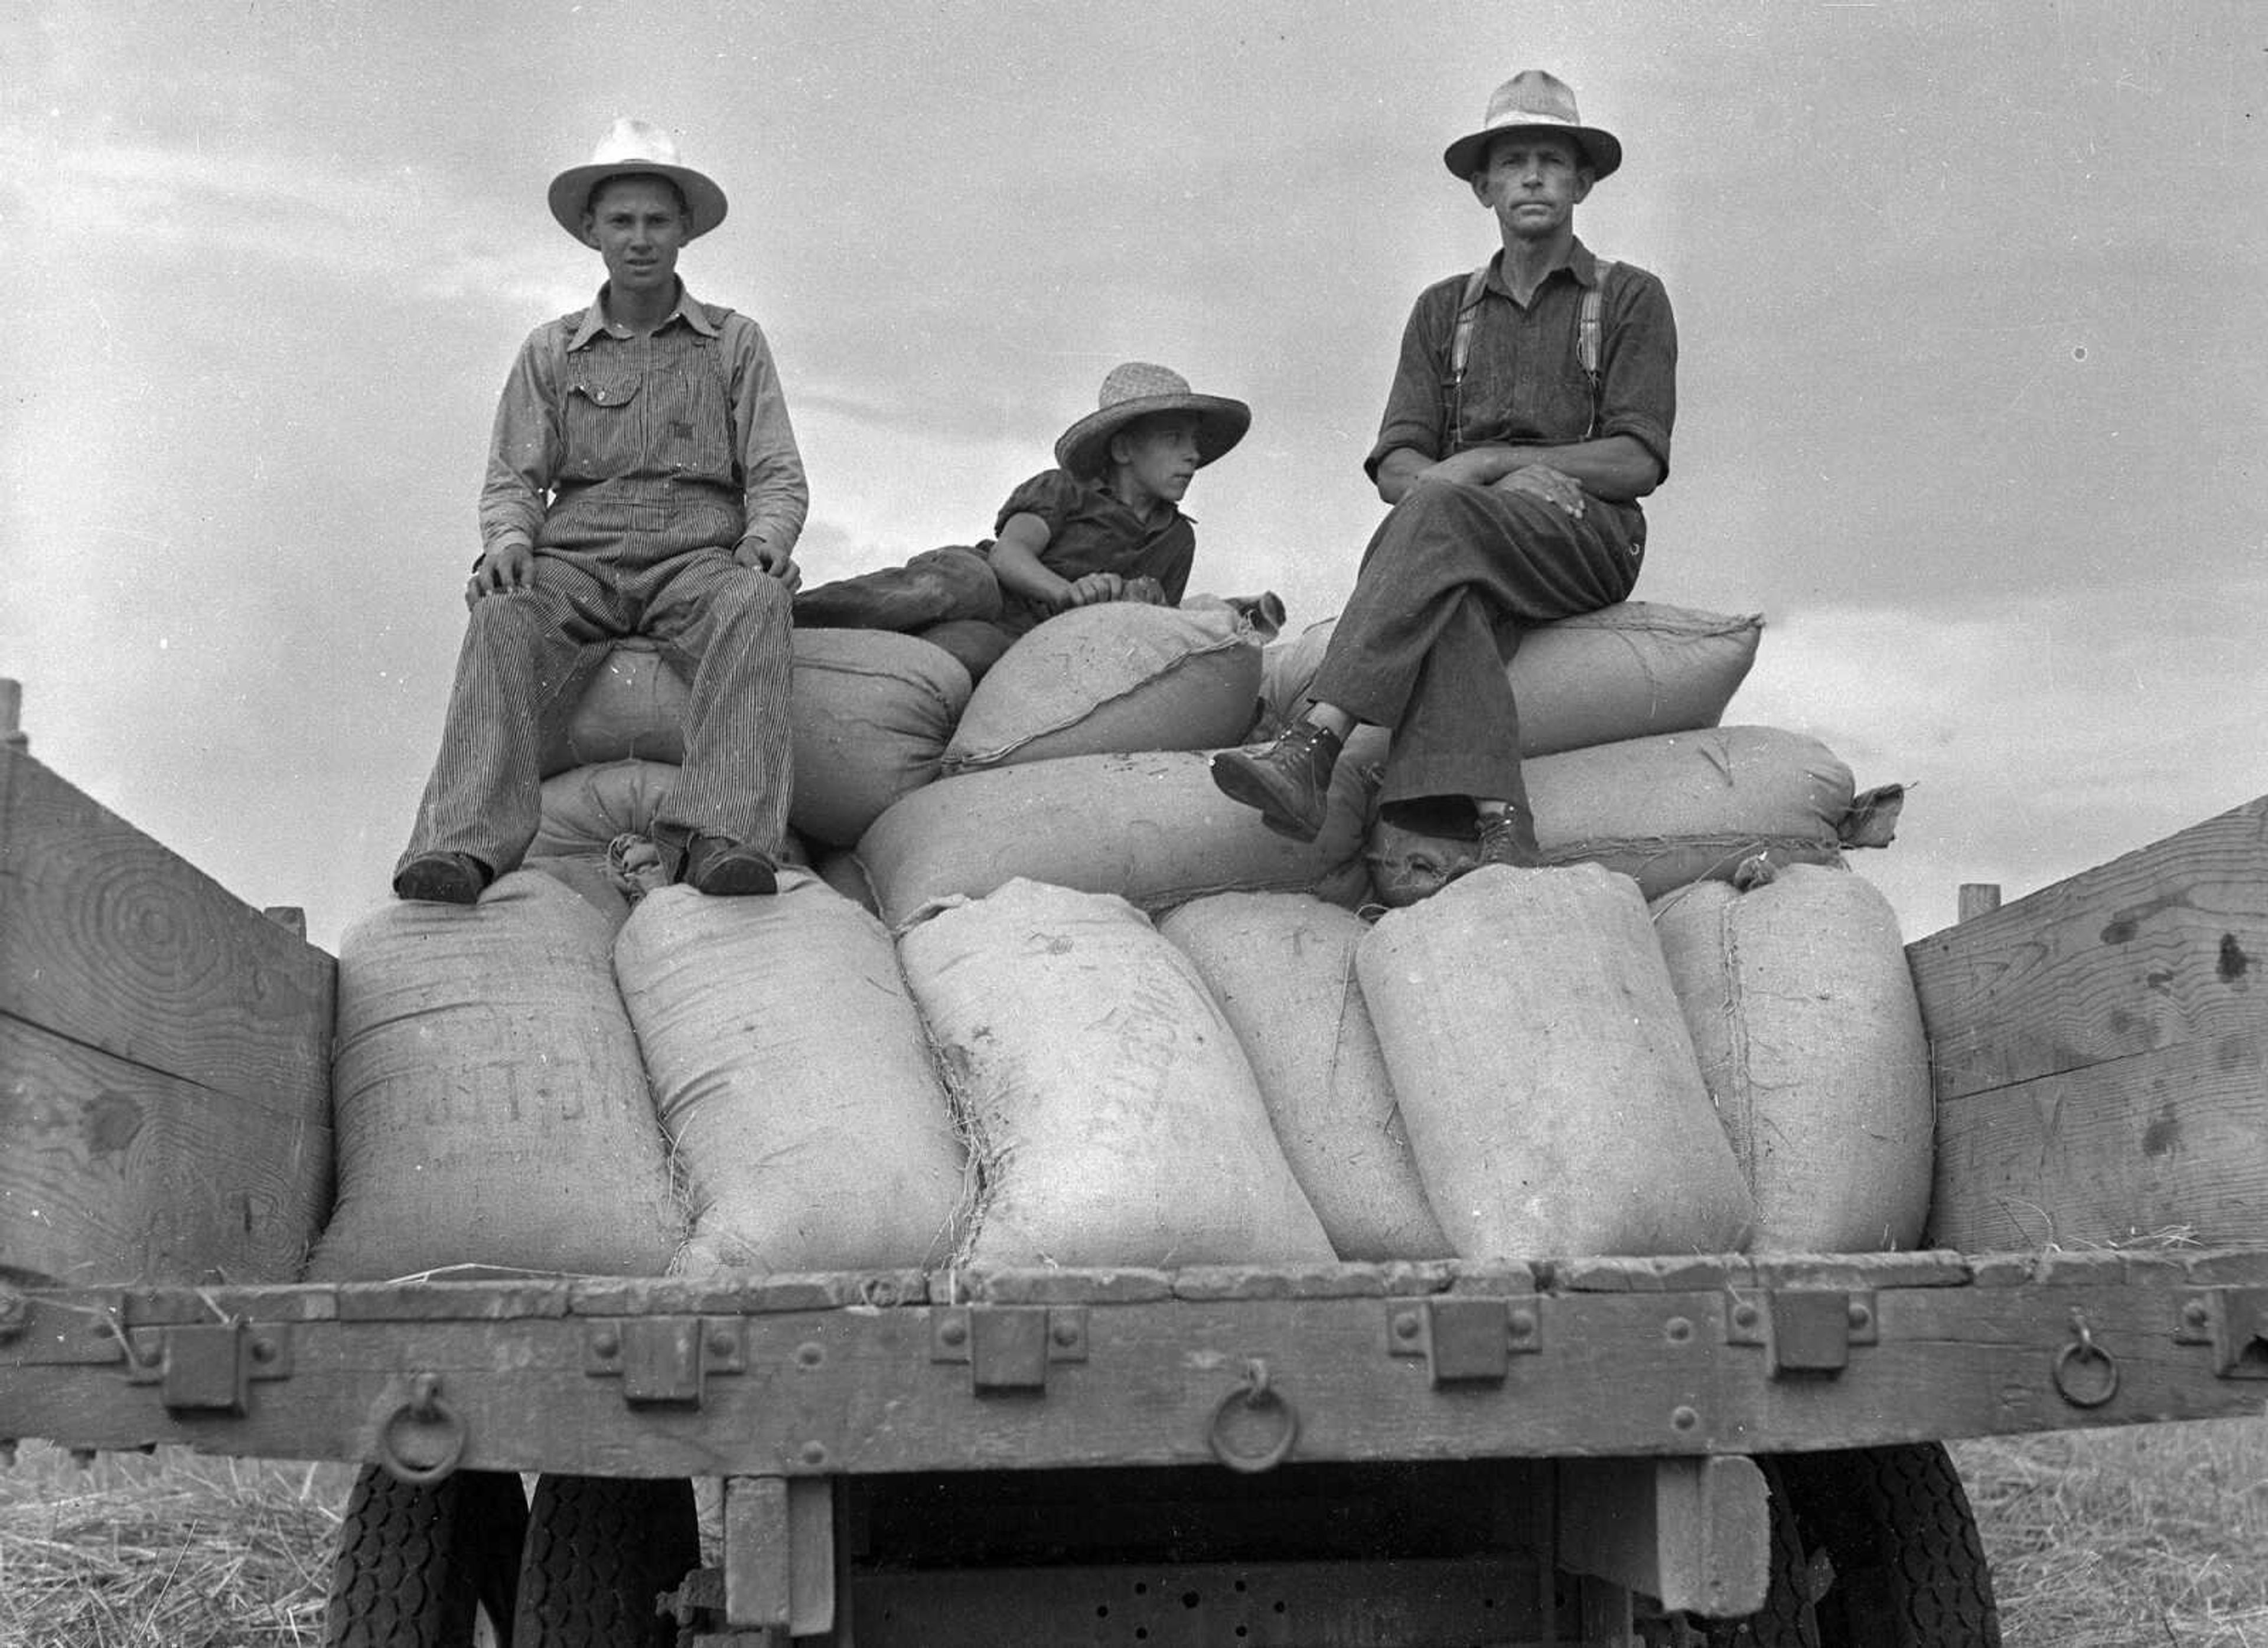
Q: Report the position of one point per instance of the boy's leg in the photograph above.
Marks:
(936, 586)
(725, 628)
(524, 656)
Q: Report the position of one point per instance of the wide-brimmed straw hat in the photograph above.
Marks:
(1533, 101)
(1137, 389)
(635, 147)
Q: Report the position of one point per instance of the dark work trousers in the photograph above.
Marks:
(936, 586)
(528, 656)
(948, 597)
(1422, 643)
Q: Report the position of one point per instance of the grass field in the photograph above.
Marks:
(2149, 1537)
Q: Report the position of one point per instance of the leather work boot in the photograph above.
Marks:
(441, 878)
(724, 868)
(1507, 838)
(1289, 781)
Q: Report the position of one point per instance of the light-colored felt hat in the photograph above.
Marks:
(1533, 100)
(635, 147)
(1137, 389)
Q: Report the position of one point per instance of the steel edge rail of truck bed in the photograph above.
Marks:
(871, 1372)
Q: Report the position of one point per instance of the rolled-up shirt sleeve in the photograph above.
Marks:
(523, 447)
(775, 494)
(1638, 366)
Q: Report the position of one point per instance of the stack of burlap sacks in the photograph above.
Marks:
(1046, 997)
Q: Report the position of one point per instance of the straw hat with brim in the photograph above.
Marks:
(1139, 390)
(1533, 101)
(635, 147)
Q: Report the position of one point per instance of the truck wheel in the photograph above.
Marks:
(426, 1567)
(601, 1550)
(1872, 1547)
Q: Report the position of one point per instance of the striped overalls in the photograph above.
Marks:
(637, 540)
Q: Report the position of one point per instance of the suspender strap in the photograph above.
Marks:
(1586, 336)
(1460, 352)
(1469, 311)
(1589, 327)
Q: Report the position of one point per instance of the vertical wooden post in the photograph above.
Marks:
(12, 714)
(779, 1554)
(1977, 898)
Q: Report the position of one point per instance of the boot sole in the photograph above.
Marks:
(1240, 783)
(439, 881)
(735, 878)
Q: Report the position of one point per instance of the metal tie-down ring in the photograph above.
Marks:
(1254, 1395)
(425, 1406)
(2074, 1386)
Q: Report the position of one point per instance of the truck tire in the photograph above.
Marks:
(601, 1550)
(433, 1566)
(1872, 1547)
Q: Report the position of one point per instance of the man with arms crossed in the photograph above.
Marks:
(1530, 411)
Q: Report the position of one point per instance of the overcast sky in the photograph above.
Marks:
(1973, 389)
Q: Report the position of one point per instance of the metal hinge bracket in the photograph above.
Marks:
(663, 1360)
(209, 1367)
(1802, 1330)
(1466, 1340)
(1008, 1347)
(2234, 1321)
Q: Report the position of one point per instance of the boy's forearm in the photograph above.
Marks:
(1021, 573)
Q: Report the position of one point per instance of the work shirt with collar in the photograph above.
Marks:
(597, 425)
(1524, 382)
(1090, 529)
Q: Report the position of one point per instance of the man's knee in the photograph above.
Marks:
(746, 596)
(508, 623)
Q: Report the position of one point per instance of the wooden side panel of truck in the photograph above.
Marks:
(2103, 1259)
(164, 1058)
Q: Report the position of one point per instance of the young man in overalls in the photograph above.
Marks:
(1530, 411)
(643, 479)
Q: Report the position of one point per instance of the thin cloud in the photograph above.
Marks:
(290, 216)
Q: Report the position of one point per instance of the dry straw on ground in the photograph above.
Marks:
(176, 1551)
(2146, 1537)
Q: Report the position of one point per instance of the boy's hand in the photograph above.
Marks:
(1094, 587)
(1148, 591)
(772, 563)
(502, 571)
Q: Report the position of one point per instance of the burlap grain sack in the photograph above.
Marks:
(1667, 811)
(871, 715)
(489, 1105)
(587, 876)
(794, 1079)
(1633, 670)
(1152, 829)
(1281, 966)
(1545, 1073)
(585, 808)
(841, 870)
(1109, 1107)
(1114, 679)
(1810, 1039)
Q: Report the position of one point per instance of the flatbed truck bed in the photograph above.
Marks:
(1569, 1449)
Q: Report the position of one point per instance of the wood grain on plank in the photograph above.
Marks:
(165, 1057)
(108, 939)
(113, 1171)
(2166, 945)
(2167, 1145)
